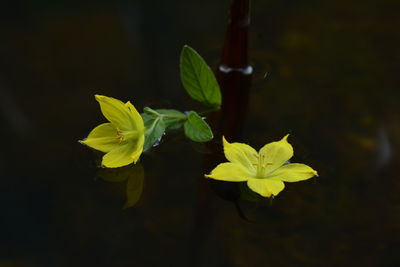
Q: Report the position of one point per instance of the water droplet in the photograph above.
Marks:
(158, 141)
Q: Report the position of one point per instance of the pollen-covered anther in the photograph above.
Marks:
(120, 137)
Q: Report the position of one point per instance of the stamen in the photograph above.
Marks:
(120, 137)
(267, 164)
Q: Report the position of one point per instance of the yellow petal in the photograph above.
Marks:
(292, 173)
(139, 148)
(102, 138)
(276, 154)
(116, 112)
(265, 187)
(137, 120)
(123, 155)
(230, 172)
(241, 154)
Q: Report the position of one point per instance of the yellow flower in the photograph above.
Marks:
(122, 138)
(264, 171)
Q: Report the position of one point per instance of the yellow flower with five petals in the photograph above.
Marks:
(122, 138)
(265, 171)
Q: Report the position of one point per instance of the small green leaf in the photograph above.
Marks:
(150, 111)
(155, 128)
(198, 79)
(172, 118)
(197, 129)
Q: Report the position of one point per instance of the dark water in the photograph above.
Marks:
(331, 82)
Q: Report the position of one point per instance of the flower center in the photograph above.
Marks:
(126, 135)
(120, 137)
(261, 166)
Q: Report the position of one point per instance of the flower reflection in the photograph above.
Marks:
(133, 175)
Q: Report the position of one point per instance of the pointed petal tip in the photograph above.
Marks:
(82, 142)
(100, 98)
(285, 137)
(225, 143)
(314, 172)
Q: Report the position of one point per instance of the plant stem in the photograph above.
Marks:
(206, 111)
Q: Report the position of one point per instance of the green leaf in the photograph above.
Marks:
(172, 118)
(198, 79)
(197, 129)
(158, 121)
(155, 128)
(150, 111)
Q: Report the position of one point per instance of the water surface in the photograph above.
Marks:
(325, 72)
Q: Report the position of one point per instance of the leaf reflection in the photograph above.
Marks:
(134, 177)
